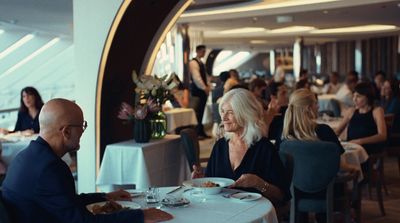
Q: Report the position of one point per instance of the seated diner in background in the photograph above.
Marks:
(333, 86)
(390, 102)
(39, 187)
(345, 93)
(244, 154)
(28, 114)
(365, 123)
(300, 123)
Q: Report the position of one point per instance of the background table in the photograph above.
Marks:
(160, 162)
(11, 149)
(355, 155)
(179, 117)
(219, 209)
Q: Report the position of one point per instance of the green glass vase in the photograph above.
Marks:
(142, 131)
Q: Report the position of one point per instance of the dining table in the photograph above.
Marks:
(180, 117)
(216, 208)
(354, 155)
(160, 162)
(14, 143)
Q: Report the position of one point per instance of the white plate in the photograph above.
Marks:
(136, 193)
(181, 202)
(196, 183)
(246, 196)
(125, 204)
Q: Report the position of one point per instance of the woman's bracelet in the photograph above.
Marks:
(265, 187)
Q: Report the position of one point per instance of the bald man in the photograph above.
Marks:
(39, 186)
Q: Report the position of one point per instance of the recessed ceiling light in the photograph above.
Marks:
(325, 11)
(258, 41)
(355, 29)
(292, 29)
(243, 30)
(16, 45)
(1, 31)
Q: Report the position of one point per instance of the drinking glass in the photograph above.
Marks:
(153, 197)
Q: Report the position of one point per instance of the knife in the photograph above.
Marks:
(174, 190)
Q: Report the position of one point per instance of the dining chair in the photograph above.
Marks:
(283, 210)
(316, 164)
(191, 146)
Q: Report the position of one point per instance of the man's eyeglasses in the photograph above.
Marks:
(83, 126)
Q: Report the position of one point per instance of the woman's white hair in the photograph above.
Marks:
(248, 113)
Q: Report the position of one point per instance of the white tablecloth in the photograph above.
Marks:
(178, 117)
(219, 209)
(160, 162)
(11, 149)
(355, 155)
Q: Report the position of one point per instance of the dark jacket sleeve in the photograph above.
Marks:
(53, 193)
(91, 198)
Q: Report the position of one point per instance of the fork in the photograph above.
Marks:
(230, 195)
(245, 197)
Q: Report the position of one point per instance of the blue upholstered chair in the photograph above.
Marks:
(316, 164)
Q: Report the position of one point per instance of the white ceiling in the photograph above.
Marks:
(56, 16)
(325, 15)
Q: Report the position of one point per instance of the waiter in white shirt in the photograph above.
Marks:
(199, 87)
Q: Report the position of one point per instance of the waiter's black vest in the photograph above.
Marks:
(193, 87)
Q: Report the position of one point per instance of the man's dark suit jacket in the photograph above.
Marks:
(39, 188)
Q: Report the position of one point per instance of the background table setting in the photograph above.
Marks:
(13, 143)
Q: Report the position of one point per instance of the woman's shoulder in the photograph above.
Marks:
(323, 128)
(378, 110)
(264, 142)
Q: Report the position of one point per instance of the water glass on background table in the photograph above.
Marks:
(153, 197)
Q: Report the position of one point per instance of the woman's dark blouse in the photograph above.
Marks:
(25, 121)
(363, 125)
(261, 159)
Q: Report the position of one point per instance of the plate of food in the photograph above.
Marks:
(209, 185)
(244, 196)
(108, 207)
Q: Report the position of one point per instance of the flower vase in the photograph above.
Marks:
(159, 125)
(142, 131)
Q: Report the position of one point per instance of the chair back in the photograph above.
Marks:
(287, 161)
(191, 146)
(316, 163)
(4, 216)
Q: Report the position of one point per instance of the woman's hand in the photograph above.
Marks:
(27, 132)
(3, 131)
(249, 180)
(119, 195)
(197, 172)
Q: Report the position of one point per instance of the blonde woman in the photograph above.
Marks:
(244, 154)
(300, 122)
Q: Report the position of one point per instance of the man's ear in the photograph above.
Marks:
(66, 132)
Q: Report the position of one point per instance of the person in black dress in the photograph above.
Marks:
(244, 154)
(365, 123)
(28, 114)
